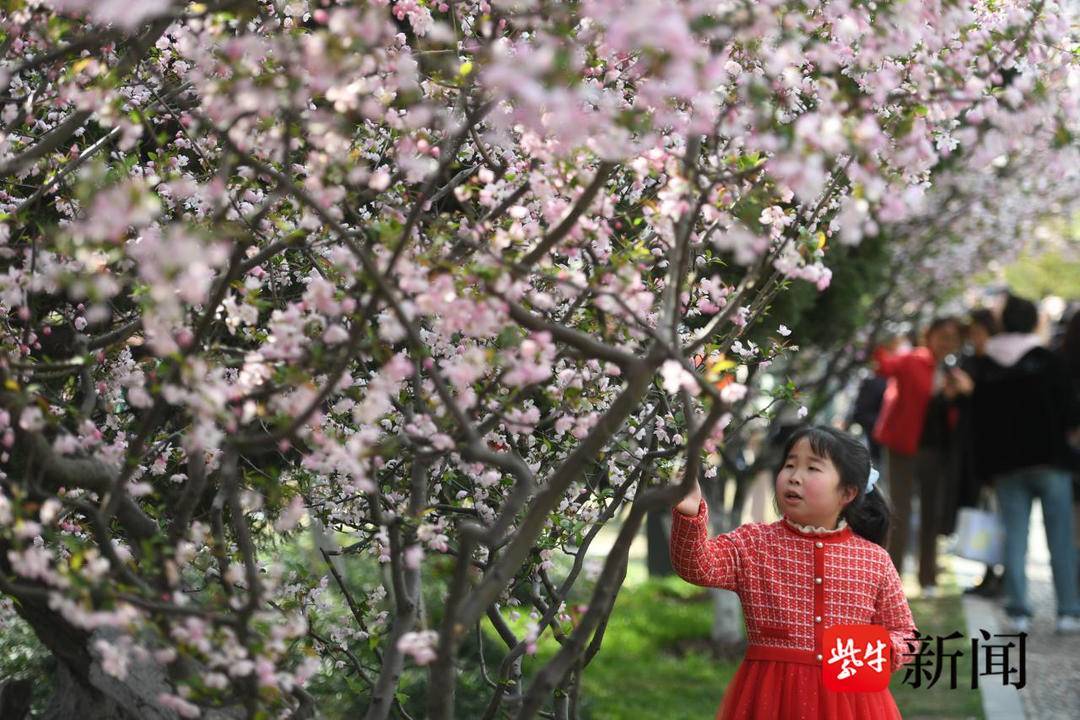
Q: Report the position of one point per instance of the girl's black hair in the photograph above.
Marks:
(868, 515)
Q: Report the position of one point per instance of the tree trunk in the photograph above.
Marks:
(727, 632)
(97, 696)
(15, 697)
(727, 629)
(658, 554)
(75, 697)
(84, 690)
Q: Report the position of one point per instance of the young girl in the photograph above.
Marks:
(823, 564)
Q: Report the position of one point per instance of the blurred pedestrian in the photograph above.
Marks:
(1024, 410)
(1070, 354)
(913, 449)
(865, 410)
(968, 484)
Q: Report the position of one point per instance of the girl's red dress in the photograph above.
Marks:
(794, 583)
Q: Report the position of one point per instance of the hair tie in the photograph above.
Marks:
(872, 480)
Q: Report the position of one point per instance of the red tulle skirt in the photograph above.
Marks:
(780, 690)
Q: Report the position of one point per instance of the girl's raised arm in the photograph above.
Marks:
(699, 559)
(891, 610)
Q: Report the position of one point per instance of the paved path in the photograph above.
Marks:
(1053, 661)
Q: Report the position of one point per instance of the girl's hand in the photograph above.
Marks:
(689, 504)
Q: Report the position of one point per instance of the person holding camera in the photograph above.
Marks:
(921, 381)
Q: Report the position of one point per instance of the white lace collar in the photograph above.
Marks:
(813, 529)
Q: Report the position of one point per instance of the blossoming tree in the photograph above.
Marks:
(432, 278)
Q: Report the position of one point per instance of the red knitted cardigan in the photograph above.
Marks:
(793, 583)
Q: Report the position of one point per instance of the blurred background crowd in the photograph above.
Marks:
(977, 415)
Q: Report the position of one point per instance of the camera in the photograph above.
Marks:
(950, 362)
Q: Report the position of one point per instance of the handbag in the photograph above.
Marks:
(980, 536)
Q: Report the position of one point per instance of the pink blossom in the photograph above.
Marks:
(178, 704)
(115, 656)
(563, 423)
(34, 562)
(380, 180)
(50, 510)
(413, 555)
(675, 377)
(31, 419)
(466, 368)
(126, 14)
(420, 646)
(733, 392)
(774, 215)
(320, 296)
(264, 672)
(431, 535)
(746, 246)
(584, 424)
(532, 361)
(291, 515)
(335, 335)
(521, 420)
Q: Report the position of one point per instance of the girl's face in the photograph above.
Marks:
(808, 488)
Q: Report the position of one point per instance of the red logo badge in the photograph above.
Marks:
(856, 658)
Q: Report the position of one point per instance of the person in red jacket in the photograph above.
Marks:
(912, 457)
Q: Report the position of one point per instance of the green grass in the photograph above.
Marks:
(940, 617)
(639, 672)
